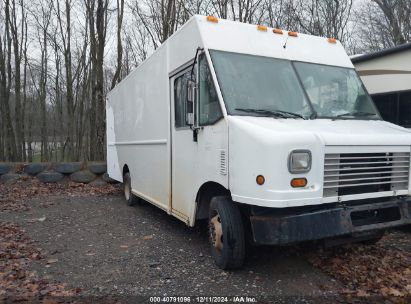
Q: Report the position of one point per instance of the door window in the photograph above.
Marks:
(180, 99)
(209, 106)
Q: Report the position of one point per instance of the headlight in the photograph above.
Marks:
(299, 161)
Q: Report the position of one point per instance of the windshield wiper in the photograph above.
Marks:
(274, 113)
(356, 114)
(291, 114)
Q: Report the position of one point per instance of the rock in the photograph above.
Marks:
(52, 261)
(50, 176)
(98, 183)
(83, 176)
(67, 168)
(5, 168)
(35, 168)
(9, 177)
(97, 168)
(153, 264)
(108, 179)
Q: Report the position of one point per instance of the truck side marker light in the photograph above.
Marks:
(277, 31)
(332, 40)
(212, 19)
(260, 180)
(262, 28)
(298, 182)
(293, 34)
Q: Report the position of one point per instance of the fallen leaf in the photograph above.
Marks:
(362, 293)
(395, 292)
(41, 219)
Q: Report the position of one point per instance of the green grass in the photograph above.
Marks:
(54, 153)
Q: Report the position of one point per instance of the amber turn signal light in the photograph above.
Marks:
(332, 40)
(298, 182)
(277, 31)
(260, 180)
(262, 28)
(292, 34)
(212, 19)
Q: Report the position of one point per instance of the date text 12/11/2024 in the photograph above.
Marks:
(203, 299)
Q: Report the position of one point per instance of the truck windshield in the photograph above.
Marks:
(263, 86)
(335, 92)
(259, 86)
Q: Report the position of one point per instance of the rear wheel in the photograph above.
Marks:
(131, 199)
(226, 233)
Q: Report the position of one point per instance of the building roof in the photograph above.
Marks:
(385, 52)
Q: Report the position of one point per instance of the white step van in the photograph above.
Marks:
(269, 135)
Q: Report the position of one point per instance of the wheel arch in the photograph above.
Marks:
(125, 170)
(204, 194)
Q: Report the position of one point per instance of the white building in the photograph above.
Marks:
(387, 77)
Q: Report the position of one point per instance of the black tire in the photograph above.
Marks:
(50, 177)
(229, 250)
(131, 199)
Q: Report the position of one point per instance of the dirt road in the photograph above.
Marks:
(71, 240)
(106, 247)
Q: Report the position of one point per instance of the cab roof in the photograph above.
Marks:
(232, 36)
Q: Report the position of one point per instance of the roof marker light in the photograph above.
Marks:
(262, 28)
(277, 31)
(293, 34)
(332, 40)
(212, 19)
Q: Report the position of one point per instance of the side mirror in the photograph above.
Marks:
(191, 94)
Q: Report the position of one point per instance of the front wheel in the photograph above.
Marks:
(131, 199)
(226, 233)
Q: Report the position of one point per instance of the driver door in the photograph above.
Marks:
(184, 149)
(198, 143)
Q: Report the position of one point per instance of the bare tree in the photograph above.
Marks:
(280, 14)
(159, 17)
(98, 19)
(15, 37)
(120, 13)
(325, 17)
(5, 82)
(383, 24)
(42, 16)
(245, 10)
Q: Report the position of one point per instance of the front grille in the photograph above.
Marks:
(356, 173)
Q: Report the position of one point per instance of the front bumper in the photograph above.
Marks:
(283, 229)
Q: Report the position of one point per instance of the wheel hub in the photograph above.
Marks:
(216, 232)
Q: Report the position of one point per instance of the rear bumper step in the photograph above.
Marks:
(327, 223)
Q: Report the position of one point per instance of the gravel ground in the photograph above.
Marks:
(105, 247)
